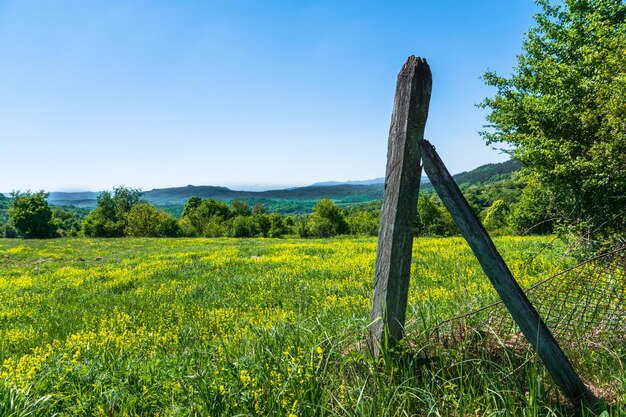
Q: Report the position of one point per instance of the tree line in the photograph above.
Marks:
(122, 212)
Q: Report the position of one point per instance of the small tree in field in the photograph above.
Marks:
(31, 215)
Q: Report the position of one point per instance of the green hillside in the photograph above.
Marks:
(483, 185)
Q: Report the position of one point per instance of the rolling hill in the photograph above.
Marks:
(292, 200)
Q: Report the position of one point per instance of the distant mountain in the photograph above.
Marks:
(313, 192)
(291, 200)
(488, 173)
(79, 199)
(373, 181)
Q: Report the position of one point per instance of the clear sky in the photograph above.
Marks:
(152, 94)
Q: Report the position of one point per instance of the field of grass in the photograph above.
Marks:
(195, 327)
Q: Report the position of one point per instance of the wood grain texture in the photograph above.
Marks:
(503, 281)
(402, 180)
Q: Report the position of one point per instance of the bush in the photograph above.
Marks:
(145, 220)
(109, 218)
(327, 220)
(243, 226)
(31, 215)
(8, 231)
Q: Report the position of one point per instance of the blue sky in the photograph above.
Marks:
(150, 94)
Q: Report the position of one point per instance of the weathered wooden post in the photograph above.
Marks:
(402, 180)
(503, 281)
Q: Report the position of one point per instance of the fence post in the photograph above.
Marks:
(402, 180)
(503, 281)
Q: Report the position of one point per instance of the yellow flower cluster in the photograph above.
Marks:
(156, 321)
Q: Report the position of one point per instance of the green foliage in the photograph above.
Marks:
(496, 218)
(31, 215)
(207, 217)
(8, 231)
(433, 219)
(327, 220)
(192, 203)
(4, 207)
(263, 223)
(244, 226)
(240, 208)
(278, 227)
(109, 219)
(68, 219)
(363, 222)
(562, 111)
(145, 220)
(535, 213)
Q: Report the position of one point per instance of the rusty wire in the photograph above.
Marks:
(584, 307)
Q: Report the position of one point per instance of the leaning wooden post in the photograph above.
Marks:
(503, 281)
(402, 180)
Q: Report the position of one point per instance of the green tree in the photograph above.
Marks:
(562, 111)
(433, 219)
(68, 219)
(240, 208)
(327, 220)
(278, 228)
(31, 215)
(364, 222)
(192, 203)
(109, 217)
(535, 213)
(207, 218)
(244, 226)
(8, 231)
(263, 223)
(145, 220)
(496, 218)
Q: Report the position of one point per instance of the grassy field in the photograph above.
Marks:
(186, 327)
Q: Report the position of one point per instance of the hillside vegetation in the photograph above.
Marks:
(316, 211)
(300, 200)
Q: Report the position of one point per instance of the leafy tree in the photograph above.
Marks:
(562, 111)
(68, 220)
(168, 226)
(31, 215)
(433, 219)
(327, 220)
(496, 218)
(364, 222)
(4, 207)
(207, 217)
(240, 208)
(264, 224)
(535, 213)
(125, 198)
(109, 218)
(278, 228)
(145, 220)
(258, 208)
(192, 203)
(8, 231)
(244, 226)
(186, 227)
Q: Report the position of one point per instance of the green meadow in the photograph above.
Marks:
(258, 327)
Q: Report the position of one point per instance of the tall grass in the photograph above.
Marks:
(195, 327)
